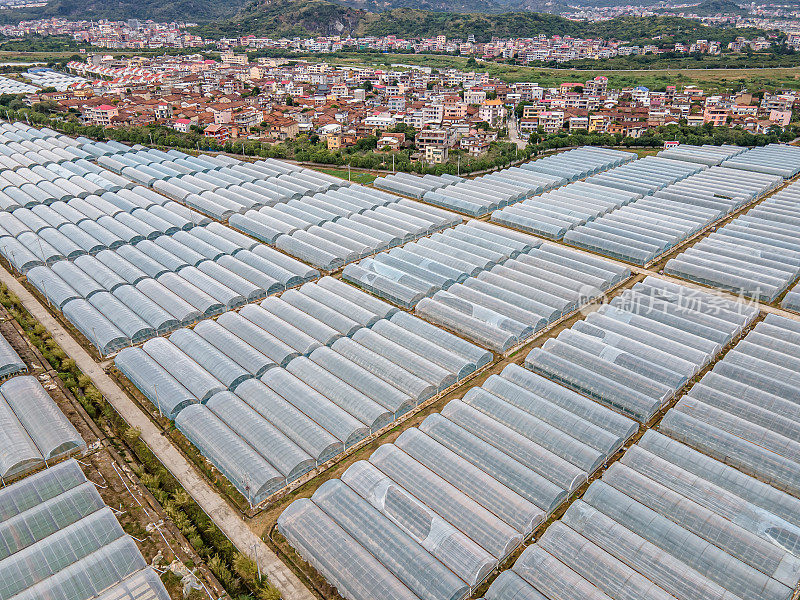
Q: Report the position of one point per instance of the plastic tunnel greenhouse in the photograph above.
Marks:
(59, 513)
(477, 478)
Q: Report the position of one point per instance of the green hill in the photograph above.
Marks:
(281, 18)
(287, 18)
(197, 11)
(710, 8)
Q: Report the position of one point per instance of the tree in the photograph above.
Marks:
(269, 592)
(366, 143)
(519, 110)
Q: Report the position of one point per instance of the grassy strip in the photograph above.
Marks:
(718, 79)
(355, 177)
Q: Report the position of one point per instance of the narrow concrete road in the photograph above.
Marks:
(225, 517)
(513, 133)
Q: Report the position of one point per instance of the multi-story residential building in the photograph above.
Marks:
(436, 154)
(229, 58)
(778, 102)
(435, 137)
(717, 115)
(492, 111)
(100, 115)
(474, 96)
(551, 121)
(218, 132)
(433, 113)
(597, 86)
(453, 108)
(381, 121)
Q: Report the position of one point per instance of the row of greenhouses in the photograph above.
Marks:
(552, 214)
(33, 430)
(46, 183)
(331, 229)
(580, 162)
(594, 213)
(645, 229)
(774, 159)
(637, 351)
(268, 223)
(21, 141)
(483, 194)
(705, 155)
(12, 86)
(791, 301)
(646, 175)
(25, 148)
(496, 190)
(486, 283)
(10, 361)
(275, 390)
(434, 513)
(418, 269)
(707, 508)
(219, 186)
(29, 187)
(507, 303)
(756, 254)
(415, 186)
(66, 230)
(122, 297)
(59, 540)
(666, 522)
(480, 196)
(745, 411)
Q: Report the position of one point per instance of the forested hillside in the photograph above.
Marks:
(278, 18)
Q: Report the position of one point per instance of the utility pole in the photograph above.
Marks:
(158, 404)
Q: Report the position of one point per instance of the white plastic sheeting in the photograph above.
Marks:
(486, 193)
(756, 254)
(124, 296)
(745, 410)
(552, 214)
(296, 380)
(433, 513)
(415, 186)
(331, 229)
(10, 361)
(479, 196)
(221, 187)
(679, 201)
(59, 540)
(636, 352)
(33, 428)
(705, 155)
(419, 269)
(665, 522)
(773, 159)
(506, 304)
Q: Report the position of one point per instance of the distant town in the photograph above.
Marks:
(431, 113)
(147, 35)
